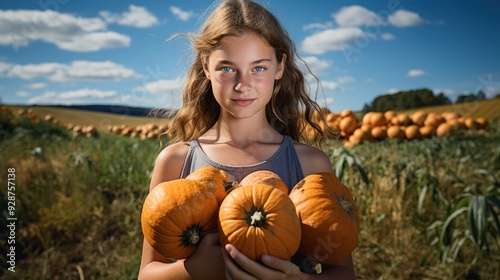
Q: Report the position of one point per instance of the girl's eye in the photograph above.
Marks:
(259, 69)
(226, 69)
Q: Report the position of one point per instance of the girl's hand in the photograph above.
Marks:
(238, 266)
(206, 262)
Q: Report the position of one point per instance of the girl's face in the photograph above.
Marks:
(242, 71)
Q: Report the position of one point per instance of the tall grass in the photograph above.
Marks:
(79, 202)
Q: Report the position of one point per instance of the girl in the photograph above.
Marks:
(245, 107)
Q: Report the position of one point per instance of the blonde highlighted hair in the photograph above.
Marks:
(290, 110)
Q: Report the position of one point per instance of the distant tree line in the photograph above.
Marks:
(417, 98)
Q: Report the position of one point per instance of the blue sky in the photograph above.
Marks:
(116, 52)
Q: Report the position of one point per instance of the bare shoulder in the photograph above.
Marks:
(313, 160)
(169, 162)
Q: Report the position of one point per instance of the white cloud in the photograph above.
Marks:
(135, 17)
(181, 14)
(80, 70)
(4, 68)
(86, 93)
(22, 93)
(95, 41)
(72, 97)
(392, 91)
(37, 85)
(445, 91)
(416, 73)
(315, 64)
(345, 79)
(387, 36)
(337, 85)
(161, 86)
(321, 26)
(68, 32)
(355, 15)
(403, 18)
(330, 86)
(332, 40)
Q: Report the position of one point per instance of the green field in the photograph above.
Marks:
(429, 208)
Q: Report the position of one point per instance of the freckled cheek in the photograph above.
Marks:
(223, 87)
(264, 85)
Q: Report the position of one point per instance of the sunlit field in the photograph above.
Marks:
(429, 207)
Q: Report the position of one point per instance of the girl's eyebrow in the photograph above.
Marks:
(228, 62)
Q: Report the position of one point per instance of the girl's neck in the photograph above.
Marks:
(243, 131)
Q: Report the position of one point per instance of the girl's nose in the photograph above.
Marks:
(243, 84)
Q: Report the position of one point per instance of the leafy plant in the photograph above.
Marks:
(472, 217)
(344, 158)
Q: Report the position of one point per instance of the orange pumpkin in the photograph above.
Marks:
(259, 219)
(214, 179)
(265, 177)
(176, 215)
(329, 218)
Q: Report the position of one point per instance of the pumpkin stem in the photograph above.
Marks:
(257, 216)
(314, 265)
(229, 186)
(191, 236)
(346, 205)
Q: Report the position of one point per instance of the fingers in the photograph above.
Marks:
(278, 264)
(238, 266)
(233, 260)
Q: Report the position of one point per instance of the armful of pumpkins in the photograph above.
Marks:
(317, 219)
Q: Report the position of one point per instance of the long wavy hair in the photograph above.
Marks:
(290, 109)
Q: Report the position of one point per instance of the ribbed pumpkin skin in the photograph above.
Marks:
(213, 178)
(173, 207)
(265, 177)
(279, 237)
(329, 219)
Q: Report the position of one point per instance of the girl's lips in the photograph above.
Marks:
(243, 102)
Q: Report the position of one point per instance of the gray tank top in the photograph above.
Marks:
(283, 162)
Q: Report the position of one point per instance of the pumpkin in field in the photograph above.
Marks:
(395, 132)
(259, 219)
(348, 125)
(176, 215)
(216, 180)
(427, 131)
(265, 177)
(444, 129)
(412, 132)
(329, 219)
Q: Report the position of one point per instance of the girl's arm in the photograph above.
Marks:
(207, 258)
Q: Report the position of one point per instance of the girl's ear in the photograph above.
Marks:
(281, 67)
(204, 62)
